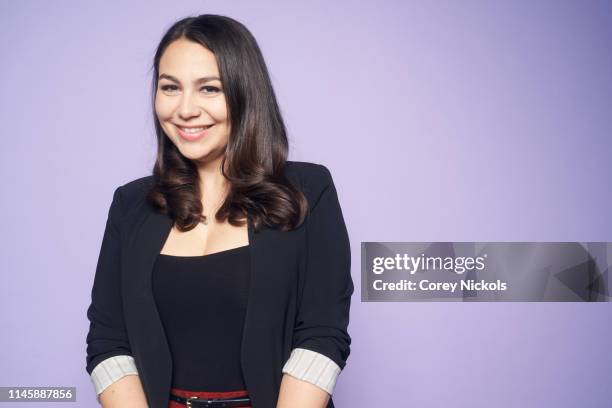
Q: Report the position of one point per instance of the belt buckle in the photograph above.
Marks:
(188, 402)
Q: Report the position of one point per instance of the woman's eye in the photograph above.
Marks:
(167, 88)
(211, 89)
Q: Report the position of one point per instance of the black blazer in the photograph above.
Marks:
(300, 289)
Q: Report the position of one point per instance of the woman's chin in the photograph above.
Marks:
(194, 153)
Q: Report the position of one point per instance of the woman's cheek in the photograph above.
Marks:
(163, 107)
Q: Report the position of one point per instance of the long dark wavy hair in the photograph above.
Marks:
(257, 148)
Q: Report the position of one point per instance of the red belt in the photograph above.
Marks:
(196, 399)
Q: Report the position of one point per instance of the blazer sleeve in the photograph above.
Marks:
(109, 356)
(321, 342)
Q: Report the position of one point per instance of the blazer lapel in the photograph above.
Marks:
(147, 337)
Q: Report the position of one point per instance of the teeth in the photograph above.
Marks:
(194, 130)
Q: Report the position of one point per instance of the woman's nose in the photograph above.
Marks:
(188, 106)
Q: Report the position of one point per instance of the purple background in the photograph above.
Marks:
(479, 121)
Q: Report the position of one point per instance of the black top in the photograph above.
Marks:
(202, 303)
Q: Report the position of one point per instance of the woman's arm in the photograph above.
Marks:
(296, 393)
(109, 360)
(124, 393)
(321, 343)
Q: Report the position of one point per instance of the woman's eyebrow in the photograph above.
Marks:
(196, 81)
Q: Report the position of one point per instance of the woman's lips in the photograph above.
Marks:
(190, 136)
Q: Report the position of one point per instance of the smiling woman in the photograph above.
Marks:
(224, 275)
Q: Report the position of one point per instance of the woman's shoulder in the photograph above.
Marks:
(136, 189)
(132, 195)
(312, 177)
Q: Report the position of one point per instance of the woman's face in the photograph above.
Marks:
(189, 97)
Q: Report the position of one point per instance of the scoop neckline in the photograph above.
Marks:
(210, 255)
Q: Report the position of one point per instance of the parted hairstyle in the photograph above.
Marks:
(257, 149)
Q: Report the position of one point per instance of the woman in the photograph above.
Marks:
(224, 277)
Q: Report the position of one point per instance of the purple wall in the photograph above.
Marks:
(479, 121)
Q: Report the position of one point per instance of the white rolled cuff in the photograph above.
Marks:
(110, 370)
(313, 367)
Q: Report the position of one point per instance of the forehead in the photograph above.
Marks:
(186, 59)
